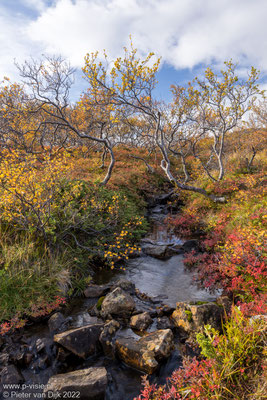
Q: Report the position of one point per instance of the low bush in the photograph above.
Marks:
(232, 363)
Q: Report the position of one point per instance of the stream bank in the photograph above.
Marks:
(103, 347)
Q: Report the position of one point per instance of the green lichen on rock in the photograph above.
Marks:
(189, 315)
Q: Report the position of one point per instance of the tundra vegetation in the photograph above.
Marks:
(73, 183)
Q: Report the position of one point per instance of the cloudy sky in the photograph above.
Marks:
(189, 34)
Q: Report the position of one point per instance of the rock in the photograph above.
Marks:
(156, 251)
(107, 337)
(28, 358)
(173, 250)
(141, 322)
(126, 285)
(146, 353)
(225, 302)
(117, 303)
(11, 374)
(165, 310)
(190, 245)
(18, 357)
(40, 364)
(91, 383)
(260, 317)
(55, 322)
(193, 317)
(164, 323)
(62, 354)
(81, 341)
(40, 345)
(93, 291)
(4, 358)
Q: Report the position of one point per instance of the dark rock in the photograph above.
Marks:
(190, 245)
(55, 322)
(63, 354)
(18, 357)
(141, 322)
(225, 302)
(91, 383)
(81, 341)
(11, 374)
(93, 291)
(4, 358)
(146, 353)
(117, 303)
(124, 284)
(107, 337)
(164, 323)
(173, 250)
(28, 358)
(40, 364)
(156, 251)
(165, 310)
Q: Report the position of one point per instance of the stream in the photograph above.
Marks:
(163, 281)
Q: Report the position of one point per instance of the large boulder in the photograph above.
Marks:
(141, 322)
(86, 384)
(107, 337)
(117, 303)
(155, 250)
(146, 353)
(192, 317)
(81, 341)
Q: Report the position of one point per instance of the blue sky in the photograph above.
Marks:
(189, 35)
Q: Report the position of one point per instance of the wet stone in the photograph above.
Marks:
(126, 285)
(118, 303)
(11, 374)
(192, 317)
(141, 322)
(164, 323)
(81, 341)
(93, 291)
(28, 358)
(90, 383)
(55, 322)
(4, 358)
(107, 337)
(146, 353)
(157, 251)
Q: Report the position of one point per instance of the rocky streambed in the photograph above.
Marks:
(128, 324)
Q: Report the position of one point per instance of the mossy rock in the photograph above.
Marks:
(189, 315)
(99, 303)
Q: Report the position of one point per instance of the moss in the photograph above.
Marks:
(199, 303)
(189, 315)
(99, 303)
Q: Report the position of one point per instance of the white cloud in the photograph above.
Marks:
(184, 32)
(14, 43)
